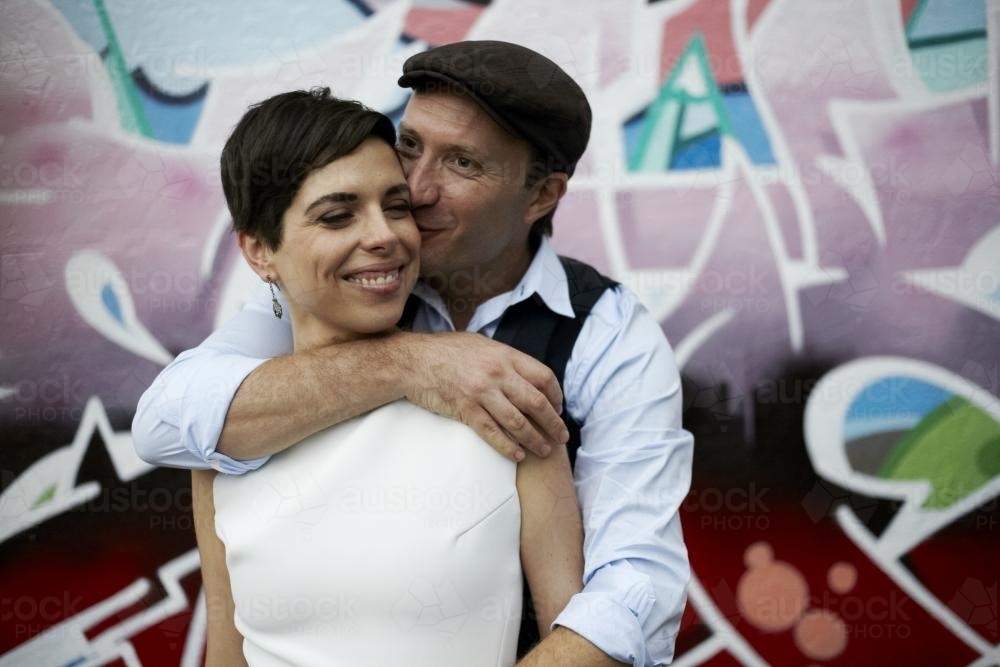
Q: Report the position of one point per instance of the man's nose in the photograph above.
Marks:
(424, 181)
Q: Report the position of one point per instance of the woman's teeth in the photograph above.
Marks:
(384, 279)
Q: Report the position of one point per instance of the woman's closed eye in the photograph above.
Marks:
(336, 218)
(399, 209)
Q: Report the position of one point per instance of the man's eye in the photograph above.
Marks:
(406, 145)
(465, 163)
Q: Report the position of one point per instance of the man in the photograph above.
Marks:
(488, 142)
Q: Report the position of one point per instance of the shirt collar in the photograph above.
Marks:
(545, 277)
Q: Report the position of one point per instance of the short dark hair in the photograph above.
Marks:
(279, 142)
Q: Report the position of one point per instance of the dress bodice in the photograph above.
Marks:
(392, 538)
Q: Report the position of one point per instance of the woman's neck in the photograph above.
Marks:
(311, 333)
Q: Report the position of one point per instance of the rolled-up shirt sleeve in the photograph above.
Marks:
(633, 470)
(180, 416)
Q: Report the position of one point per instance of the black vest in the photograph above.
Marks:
(532, 328)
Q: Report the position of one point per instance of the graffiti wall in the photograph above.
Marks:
(803, 192)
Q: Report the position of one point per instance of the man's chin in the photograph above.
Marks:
(432, 269)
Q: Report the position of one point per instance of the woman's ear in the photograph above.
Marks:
(548, 193)
(258, 256)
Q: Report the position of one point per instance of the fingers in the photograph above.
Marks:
(541, 377)
(536, 394)
(510, 418)
(489, 430)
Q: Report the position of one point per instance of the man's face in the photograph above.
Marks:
(466, 177)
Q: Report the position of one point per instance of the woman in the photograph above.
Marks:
(393, 537)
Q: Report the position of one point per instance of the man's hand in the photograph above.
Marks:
(565, 648)
(509, 398)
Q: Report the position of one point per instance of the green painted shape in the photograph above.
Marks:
(130, 109)
(657, 145)
(956, 447)
(661, 128)
(45, 496)
(915, 17)
(948, 66)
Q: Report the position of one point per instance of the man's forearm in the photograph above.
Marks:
(289, 398)
(565, 648)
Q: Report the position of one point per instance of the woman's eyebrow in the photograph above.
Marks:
(334, 198)
(398, 189)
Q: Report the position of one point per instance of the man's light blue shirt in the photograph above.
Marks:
(632, 472)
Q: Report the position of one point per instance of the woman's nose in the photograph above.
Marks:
(379, 234)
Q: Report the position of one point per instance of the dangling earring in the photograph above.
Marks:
(274, 300)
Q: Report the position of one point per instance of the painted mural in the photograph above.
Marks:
(803, 192)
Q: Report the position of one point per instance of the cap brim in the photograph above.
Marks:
(413, 78)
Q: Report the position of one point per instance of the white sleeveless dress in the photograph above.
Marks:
(389, 539)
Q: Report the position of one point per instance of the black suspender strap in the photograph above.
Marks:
(532, 328)
(409, 313)
(549, 337)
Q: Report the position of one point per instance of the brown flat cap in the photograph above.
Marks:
(523, 91)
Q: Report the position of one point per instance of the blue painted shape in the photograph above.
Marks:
(938, 18)
(110, 301)
(633, 132)
(704, 152)
(172, 122)
(83, 17)
(744, 119)
(698, 118)
(892, 404)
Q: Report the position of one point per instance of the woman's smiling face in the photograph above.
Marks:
(349, 252)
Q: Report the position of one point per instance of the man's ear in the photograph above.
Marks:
(548, 192)
(258, 256)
